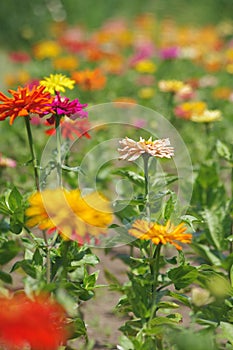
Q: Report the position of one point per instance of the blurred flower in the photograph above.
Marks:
(201, 297)
(144, 50)
(63, 106)
(222, 93)
(170, 85)
(208, 116)
(229, 68)
(169, 53)
(219, 286)
(131, 150)
(208, 81)
(70, 213)
(7, 162)
(229, 54)
(213, 62)
(160, 234)
(39, 324)
(146, 92)
(20, 77)
(68, 63)
(139, 123)
(19, 57)
(185, 93)
(57, 82)
(46, 49)
(146, 80)
(24, 102)
(145, 66)
(72, 129)
(90, 79)
(113, 64)
(124, 102)
(187, 109)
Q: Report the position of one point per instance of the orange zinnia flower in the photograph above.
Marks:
(24, 102)
(160, 234)
(90, 79)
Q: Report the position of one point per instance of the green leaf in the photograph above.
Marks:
(132, 176)
(183, 276)
(169, 208)
(189, 219)
(8, 251)
(27, 267)
(219, 225)
(90, 280)
(15, 226)
(126, 343)
(227, 331)
(79, 328)
(167, 305)
(37, 258)
(224, 151)
(180, 297)
(14, 200)
(4, 208)
(205, 252)
(5, 277)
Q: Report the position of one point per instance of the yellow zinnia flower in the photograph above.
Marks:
(170, 85)
(57, 82)
(46, 49)
(208, 116)
(160, 234)
(145, 66)
(68, 212)
(146, 92)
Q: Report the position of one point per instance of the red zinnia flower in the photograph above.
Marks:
(24, 102)
(38, 323)
(70, 128)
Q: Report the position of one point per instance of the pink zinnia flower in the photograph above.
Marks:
(169, 53)
(62, 106)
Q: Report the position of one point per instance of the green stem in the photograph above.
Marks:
(48, 260)
(58, 145)
(155, 275)
(66, 245)
(145, 158)
(156, 266)
(33, 154)
(207, 134)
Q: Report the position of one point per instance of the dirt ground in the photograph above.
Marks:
(102, 321)
(100, 317)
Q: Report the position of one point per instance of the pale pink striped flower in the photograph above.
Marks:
(131, 150)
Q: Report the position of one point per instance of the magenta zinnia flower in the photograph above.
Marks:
(169, 53)
(62, 106)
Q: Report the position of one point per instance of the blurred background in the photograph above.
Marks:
(26, 21)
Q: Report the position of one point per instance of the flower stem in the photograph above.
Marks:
(155, 274)
(32, 150)
(146, 194)
(48, 261)
(146, 177)
(208, 140)
(58, 145)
